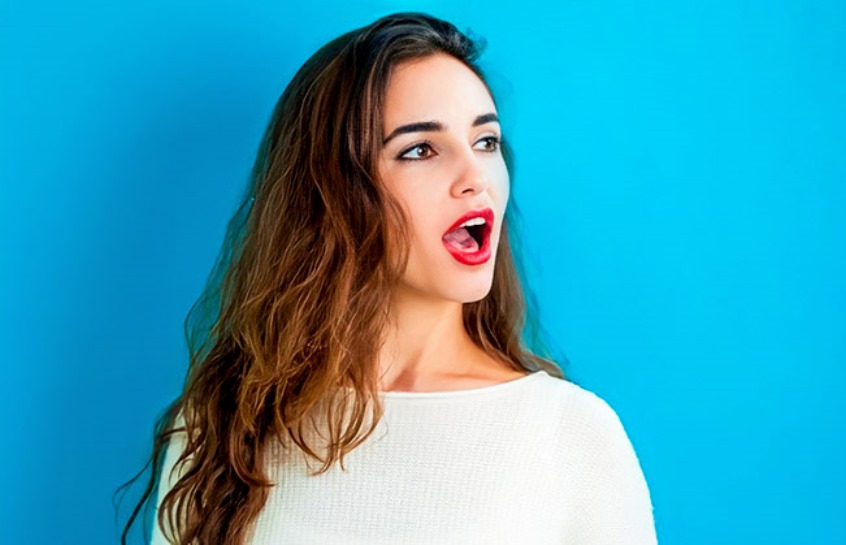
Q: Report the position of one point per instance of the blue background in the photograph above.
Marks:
(680, 167)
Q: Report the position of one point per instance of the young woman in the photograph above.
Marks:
(367, 315)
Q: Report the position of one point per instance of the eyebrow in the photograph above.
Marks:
(435, 126)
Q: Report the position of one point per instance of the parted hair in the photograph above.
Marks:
(295, 308)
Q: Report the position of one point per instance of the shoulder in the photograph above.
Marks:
(614, 502)
(574, 404)
(582, 424)
(174, 463)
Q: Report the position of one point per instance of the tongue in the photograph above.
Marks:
(461, 240)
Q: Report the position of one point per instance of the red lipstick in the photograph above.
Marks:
(480, 233)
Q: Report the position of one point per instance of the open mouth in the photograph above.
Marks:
(468, 240)
(477, 232)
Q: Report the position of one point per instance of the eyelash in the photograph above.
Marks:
(495, 139)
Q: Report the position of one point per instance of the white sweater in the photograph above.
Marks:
(534, 461)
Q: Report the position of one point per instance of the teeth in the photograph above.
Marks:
(474, 221)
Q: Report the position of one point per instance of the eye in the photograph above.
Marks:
(491, 143)
(417, 152)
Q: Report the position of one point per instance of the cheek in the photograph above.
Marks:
(502, 183)
(418, 206)
(424, 230)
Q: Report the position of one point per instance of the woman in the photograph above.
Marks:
(370, 314)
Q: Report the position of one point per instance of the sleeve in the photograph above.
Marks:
(615, 507)
(174, 449)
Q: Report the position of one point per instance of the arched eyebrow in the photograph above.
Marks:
(435, 126)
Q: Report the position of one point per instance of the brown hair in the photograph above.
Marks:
(295, 307)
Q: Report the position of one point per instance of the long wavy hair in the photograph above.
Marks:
(294, 309)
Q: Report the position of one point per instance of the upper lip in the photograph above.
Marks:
(485, 213)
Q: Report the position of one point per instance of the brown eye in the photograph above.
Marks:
(423, 150)
(491, 143)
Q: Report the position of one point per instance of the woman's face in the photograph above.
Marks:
(441, 159)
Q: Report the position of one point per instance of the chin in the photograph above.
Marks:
(475, 299)
(466, 290)
(470, 292)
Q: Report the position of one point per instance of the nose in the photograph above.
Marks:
(471, 177)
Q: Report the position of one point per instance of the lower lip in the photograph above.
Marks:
(480, 256)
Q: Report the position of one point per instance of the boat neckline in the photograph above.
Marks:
(450, 394)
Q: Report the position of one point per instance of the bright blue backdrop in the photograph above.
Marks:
(680, 166)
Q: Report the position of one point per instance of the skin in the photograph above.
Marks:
(449, 172)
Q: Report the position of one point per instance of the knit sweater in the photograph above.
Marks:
(533, 461)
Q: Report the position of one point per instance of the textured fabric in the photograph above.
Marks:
(534, 461)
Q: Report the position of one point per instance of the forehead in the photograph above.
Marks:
(438, 87)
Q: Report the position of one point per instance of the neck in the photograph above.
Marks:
(425, 344)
